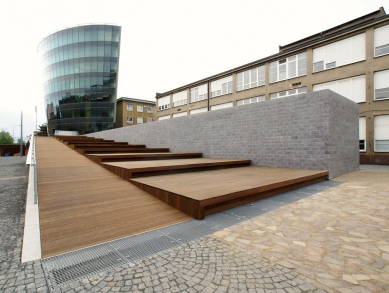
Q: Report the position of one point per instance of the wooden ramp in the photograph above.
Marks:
(202, 193)
(128, 170)
(82, 204)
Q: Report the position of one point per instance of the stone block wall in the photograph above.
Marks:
(317, 131)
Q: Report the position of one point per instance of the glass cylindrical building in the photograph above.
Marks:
(80, 72)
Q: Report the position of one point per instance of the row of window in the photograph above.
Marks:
(80, 82)
(139, 108)
(80, 34)
(346, 51)
(80, 65)
(381, 133)
(139, 120)
(90, 49)
(353, 88)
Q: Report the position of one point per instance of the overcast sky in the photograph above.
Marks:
(165, 44)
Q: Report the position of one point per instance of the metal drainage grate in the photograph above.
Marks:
(76, 265)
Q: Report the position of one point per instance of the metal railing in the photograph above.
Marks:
(33, 165)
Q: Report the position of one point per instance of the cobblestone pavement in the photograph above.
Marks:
(339, 237)
(15, 276)
(203, 265)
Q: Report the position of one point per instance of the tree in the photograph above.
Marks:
(6, 137)
(42, 130)
(23, 142)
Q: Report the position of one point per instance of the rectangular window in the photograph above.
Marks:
(149, 120)
(381, 85)
(149, 109)
(221, 87)
(139, 108)
(129, 107)
(196, 111)
(250, 78)
(221, 106)
(290, 67)
(250, 100)
(289, 93)
(381, 41)
(139, 120)
(351, 88)
(176, 115)
(381, 133)
(164, 117)
(180, 98)
(164, 103)
(339, 53)
(129, 120)
(362, 134)
(199, 93)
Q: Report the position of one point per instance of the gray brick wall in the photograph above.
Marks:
(317, 131)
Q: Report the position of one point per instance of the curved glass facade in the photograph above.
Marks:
(79, 72)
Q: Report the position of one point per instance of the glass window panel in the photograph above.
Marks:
(114, 66)
(81, 36)
(95, 34)
(88, 34)
(93, 65)
(114, 50)
(100, 49)
(94, 49)
(108, 34)
(107, 50)
(82, 82)
(87, 66)
(100, 65)
(87, 50)
(75, 37)
(75, 51)
(82, 66)
(71, 53)
(112, 82)
(81, 50)
(115, 34)
(101, 33)
(106, 66)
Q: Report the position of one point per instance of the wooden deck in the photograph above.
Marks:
(82, 204)
(128, 170)
(202, 193)
(121, 157)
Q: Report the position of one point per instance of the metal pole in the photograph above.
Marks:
(21, 134)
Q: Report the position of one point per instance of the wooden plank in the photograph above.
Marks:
(98, 150)
(134, 169)
(227, 188)
(120, 157)
(82, 204)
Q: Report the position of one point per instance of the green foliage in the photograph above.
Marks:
(6, 137)
(23, 142)
(43, 127)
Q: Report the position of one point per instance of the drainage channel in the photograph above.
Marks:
(63, 269)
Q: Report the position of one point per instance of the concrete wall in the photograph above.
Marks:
(317, 131)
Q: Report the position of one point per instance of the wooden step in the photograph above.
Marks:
(114, 145)
(120, 157)
(126, 149)
(202, 193)
(94, 142)
(128, 170)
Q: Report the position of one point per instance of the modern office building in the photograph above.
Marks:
(80, 73)
(351, 59)
(131, 111)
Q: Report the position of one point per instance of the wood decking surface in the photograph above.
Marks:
(130, 169)
(82, 204)
(201, 193)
